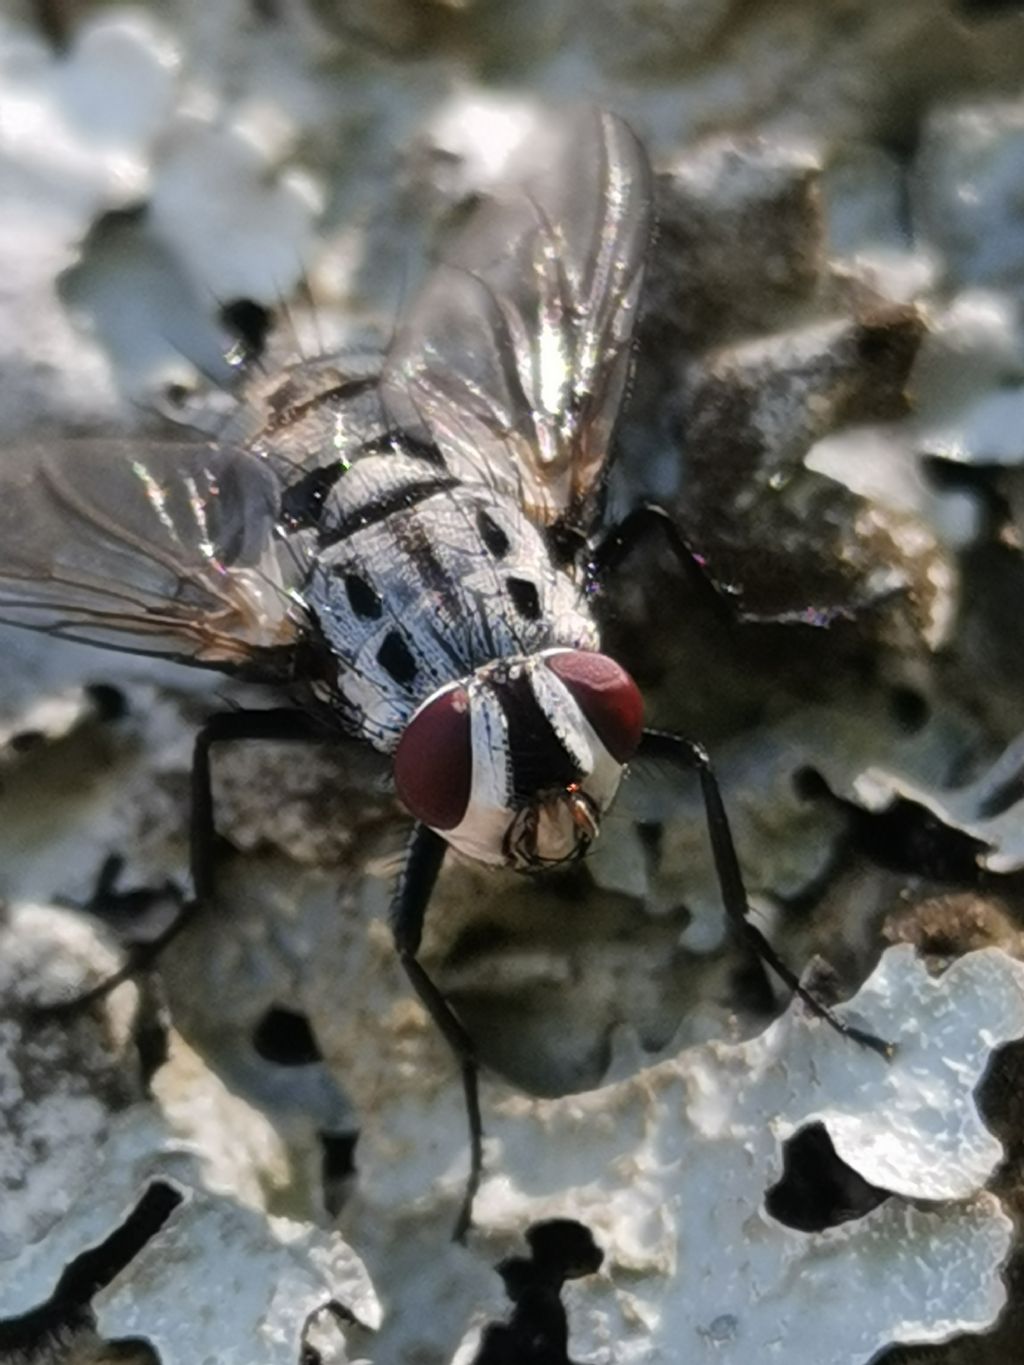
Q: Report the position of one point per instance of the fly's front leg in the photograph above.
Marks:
(686, 755)
(648, 521)
(277, 723)
(424, 856)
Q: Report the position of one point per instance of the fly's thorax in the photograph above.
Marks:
(516, 764)
(419, 582)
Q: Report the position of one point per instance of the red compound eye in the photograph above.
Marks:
(607, 696)
(434, 761)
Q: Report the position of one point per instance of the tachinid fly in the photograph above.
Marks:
(408, 548)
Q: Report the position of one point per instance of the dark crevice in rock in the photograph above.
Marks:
(152, 1031)
(110, 702)
(904, 837)
(284, 1037)
(909, 708)
(136, 914)
(337, 1169)
(985, 9)
(908, 838)
(68, 1308)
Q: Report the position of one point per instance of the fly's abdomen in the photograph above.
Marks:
(420, 580)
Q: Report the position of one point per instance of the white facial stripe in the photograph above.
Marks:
(580, 738)
(562, 711)
(603, 782)
(481, 832)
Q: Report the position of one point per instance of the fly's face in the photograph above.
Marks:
(516, 764)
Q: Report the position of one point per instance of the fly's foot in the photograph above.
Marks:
(857, 1035)
(818, 977)
(137, 914)
(148, 918)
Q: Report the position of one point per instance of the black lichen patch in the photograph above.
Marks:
(337, 1169)
(817, 1189)
(537, 1333)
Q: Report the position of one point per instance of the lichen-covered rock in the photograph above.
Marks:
(61, 1080)
(670, 1170)
(182, 1267)
(742, 239)
(965, 202)
(826, 395)
(80, 136)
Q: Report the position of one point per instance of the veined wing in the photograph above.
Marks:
(515, 357)
(163, 548)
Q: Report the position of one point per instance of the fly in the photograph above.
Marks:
(410, 548)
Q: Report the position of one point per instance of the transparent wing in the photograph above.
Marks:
(515, 356)
(165, 548)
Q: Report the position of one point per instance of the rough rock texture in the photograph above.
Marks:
(827, 397)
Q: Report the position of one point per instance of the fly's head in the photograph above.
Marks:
(516, 764)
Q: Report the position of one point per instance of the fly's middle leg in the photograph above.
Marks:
(277, 723)
(424, 857)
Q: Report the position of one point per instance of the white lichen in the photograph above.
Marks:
(669, 1169)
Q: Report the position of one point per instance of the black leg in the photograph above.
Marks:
(644, 523)
(416, 883)
(649, 520)
(683, 753)
(228, 727)
(277, 723)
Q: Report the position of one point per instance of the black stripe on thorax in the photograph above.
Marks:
(403, 442)
(413, 539)
(394, 500)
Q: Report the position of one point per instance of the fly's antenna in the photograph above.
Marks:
(288, 317)
(304, 289)
(398, 311)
